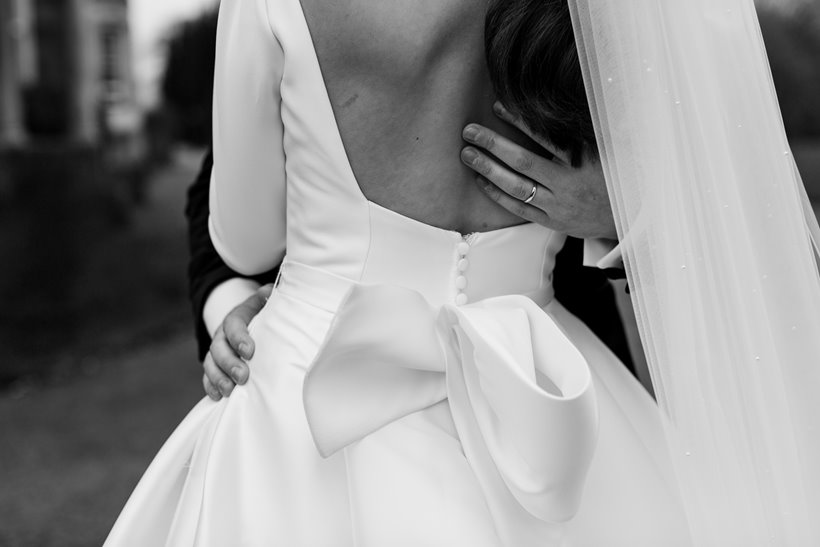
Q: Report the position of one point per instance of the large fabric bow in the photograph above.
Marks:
(520, 393)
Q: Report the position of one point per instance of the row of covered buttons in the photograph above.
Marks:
(461, 280)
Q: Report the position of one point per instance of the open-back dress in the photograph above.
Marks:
(410, 385)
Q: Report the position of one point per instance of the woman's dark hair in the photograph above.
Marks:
(534, 68)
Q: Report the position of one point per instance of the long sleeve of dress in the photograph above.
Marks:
(209, 278)
(247, 195)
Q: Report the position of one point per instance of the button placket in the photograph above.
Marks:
(463, 264)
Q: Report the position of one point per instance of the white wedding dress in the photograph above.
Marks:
(410, 385)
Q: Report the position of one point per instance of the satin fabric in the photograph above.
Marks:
(316, 450)
(247, 470)
(486, 359)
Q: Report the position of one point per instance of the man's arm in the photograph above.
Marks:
(214, 288)
(208, 275)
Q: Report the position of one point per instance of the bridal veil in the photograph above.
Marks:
(717, 239)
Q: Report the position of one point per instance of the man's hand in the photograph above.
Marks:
(225, 365)
(572, 200)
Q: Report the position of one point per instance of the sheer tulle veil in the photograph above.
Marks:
(717, 241)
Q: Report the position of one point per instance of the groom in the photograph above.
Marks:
(224, 302)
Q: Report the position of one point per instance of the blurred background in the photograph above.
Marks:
(104, 116)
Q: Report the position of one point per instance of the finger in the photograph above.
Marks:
(219, 381)
(210, 390)
(236, 332)
(237, 321)
(510, 182)
(252, 305)
(515, 120)
(516, 157)
(227, 361)
(484, 165)
(515, 206)
(265, 291)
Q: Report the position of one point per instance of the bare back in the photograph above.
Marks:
(404, 78)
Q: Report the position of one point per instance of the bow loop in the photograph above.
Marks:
(519, 391)
(380, 361)
(522, 397)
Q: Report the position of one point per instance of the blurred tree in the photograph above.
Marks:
(793, 46)
(187, 84)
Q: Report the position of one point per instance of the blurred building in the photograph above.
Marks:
(65, 71)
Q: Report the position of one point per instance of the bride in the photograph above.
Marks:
(414, 384)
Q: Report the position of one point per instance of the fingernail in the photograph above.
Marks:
(238, 375)
(499, 109)
(469, 155)
(245, 350)
(470, 133)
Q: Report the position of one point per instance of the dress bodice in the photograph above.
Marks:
(459, 269)
(329, 223)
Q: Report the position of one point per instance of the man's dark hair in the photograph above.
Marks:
(534, 68)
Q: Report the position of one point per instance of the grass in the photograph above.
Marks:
(72, 453)
(96, 330)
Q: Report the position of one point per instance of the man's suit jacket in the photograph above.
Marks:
(586, 292)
